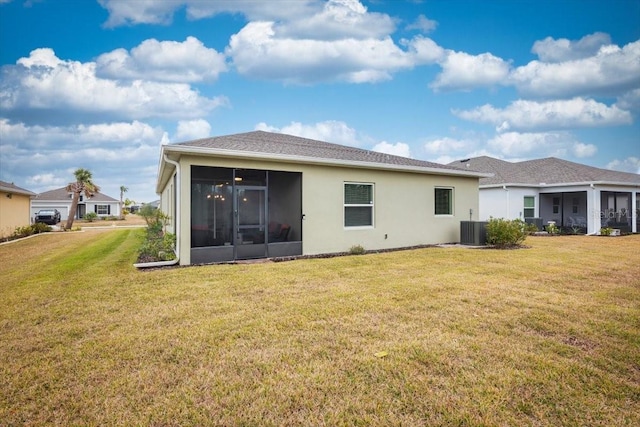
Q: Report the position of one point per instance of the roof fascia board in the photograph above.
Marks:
(562, 184)
(201, 151)
(17, 191)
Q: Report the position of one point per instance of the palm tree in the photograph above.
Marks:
(123, 190)
(83, 184)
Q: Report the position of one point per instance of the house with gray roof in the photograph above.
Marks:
(14, 207)
(574, 196)
(60, 199)
(264, 195)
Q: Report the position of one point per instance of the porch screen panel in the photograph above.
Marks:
(211, 206)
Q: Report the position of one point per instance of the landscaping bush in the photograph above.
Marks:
(357, 250)
(29, 230)
(158, 245)
(530, 228)
(91, 216)
(553, 229)
(504, 233)
(606, 231)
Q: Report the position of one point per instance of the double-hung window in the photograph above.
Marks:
(102, 209)
(358, 204)
(443, 201)
(529, 210)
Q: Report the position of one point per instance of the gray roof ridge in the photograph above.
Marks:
(62, 194)
(323, 149)
(547, 170)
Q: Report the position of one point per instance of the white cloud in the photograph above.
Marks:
(258, 52)
(329, 131)
(192, 129)
(338, 19)
(397, 149)
(184, 62)
(581, 150)
(462, 71)
(611, 71)
(630, 100)
(423, 24)
(528, 145)
(47, 180)
(447, 145)
(321, 19)
(561, 50)
(44, 157)
(139, 12)
(131, 12)
(630, 164)
(51, 139)
(561, 114)
(423, 50)
(43, 88)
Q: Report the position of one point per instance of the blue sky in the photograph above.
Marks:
(103, 84)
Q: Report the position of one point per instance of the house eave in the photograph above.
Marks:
(11, 190)
(202, 151)
(541, 186)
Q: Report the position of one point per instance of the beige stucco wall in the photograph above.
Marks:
(403, 205)
(14, 212)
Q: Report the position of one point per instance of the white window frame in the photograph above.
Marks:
(524, 208)
(453, 205)
(106, 209)
(350, 205)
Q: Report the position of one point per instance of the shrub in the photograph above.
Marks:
(504, 233)
(606, 231)
(357, 250)
(531, 229)
(157, 247)
(91, 216)
(552, 229)
(29, 230)
(155, 218)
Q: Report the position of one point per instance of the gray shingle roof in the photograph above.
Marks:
(288, 145)
(10, 187)
(62, 194)
(549, 170)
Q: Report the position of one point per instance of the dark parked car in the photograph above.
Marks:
(48, 216)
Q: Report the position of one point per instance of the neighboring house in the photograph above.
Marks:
(261, 194)
(61, 199)
(14, 208)
(574, 196)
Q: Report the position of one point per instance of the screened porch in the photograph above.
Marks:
(244, 213)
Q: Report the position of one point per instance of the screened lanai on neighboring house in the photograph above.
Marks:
(576, 197)
(262, 194)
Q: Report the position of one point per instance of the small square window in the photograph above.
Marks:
(443, 198)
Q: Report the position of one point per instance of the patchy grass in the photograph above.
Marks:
(543, 336)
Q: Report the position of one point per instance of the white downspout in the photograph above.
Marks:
(508, 215)
(177, 223)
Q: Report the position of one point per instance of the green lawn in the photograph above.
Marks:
(545, 336)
